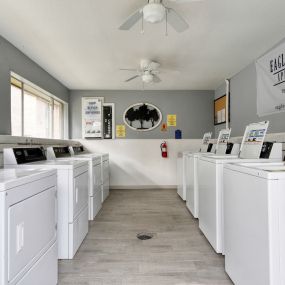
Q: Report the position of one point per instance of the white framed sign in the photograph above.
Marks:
(92, 113)
(270, 70)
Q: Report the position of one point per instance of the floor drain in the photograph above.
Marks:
(144, 236)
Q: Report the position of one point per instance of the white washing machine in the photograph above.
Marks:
(254, 205)
(95, 176)
(191, 167)
(181, 164)
(72, 189)
(105, 173)
(210, 177)
(28, 227)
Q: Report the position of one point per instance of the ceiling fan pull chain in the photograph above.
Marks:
(166, 22)
(142, 30)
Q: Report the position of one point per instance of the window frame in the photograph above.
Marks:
(32, 89)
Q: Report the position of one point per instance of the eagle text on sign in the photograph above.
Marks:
(270, 70)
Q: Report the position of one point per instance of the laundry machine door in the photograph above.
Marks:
(97, 175)
(31, 230)
(105, 172)
(80, 194)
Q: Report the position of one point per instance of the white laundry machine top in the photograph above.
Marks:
(10, 178)
(253, 147)
(62, 152)
(35, 157)
(79, 150)
(270, 170)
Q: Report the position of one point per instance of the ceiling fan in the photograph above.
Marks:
(155, 12)
(148, 72)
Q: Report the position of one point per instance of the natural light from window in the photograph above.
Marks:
(34, 113)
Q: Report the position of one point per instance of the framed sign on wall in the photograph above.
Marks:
(220, 110)
(92, 115)
(142, 117)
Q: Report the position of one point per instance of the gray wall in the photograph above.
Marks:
(194, 110)
(243, 107)
(11, 59)
(243, 104)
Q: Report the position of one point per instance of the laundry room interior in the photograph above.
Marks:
(142, 142)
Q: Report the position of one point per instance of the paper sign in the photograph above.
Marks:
(120, 131)
(164, 127)
(171, 120)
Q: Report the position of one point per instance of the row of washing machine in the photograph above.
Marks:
(46, 200)
(239, 200)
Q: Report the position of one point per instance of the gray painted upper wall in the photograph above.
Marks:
(243, 106)
(194, 111)
(11, 59)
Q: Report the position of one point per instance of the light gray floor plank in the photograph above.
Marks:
(178, 254)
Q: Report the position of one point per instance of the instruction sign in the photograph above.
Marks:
(171, 120)
(92, 117)
(120, 131)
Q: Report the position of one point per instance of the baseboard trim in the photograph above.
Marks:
(142, 187)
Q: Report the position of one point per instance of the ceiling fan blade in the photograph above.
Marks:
(185, 1)
(156, 79)
(176, 21)
(132, 20)
(129, 69)
(132, 78)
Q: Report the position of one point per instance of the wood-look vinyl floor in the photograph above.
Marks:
(178, 254)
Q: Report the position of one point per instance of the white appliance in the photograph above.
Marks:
(191, 169)
(72, 189)
(28, 227)
(95, 176)
(105, 176)
(181, 164)
(254, 205)
(210, 177)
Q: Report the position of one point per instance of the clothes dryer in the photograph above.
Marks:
(28, 227)
(72, 189)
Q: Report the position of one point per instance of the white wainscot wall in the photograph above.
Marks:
(138, 163)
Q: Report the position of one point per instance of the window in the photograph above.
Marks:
(34, 112)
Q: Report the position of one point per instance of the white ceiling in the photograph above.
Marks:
(78, 41)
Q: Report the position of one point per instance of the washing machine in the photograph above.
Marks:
(210, 177)
(72, 191)
(191, 165)
(105, 173)
(95, 176)
(181, 164)
(254, 206)
(28, 227)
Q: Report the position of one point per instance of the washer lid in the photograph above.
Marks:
(10, 178)
(253, 139)
(268, 170)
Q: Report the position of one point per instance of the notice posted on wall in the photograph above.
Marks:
(92, 117)
(171, 120)
(120, 131)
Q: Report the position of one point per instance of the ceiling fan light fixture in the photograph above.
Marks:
(153, 12)
(147, 78)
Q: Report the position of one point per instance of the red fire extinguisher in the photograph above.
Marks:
(163, 148)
